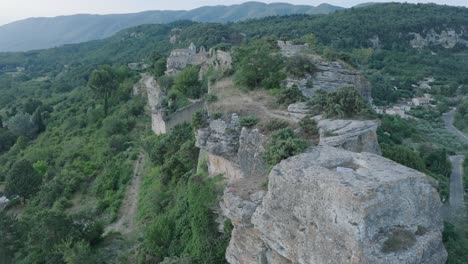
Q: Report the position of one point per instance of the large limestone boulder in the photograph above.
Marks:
(352, 135)
(330, 205)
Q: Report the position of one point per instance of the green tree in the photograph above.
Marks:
(258, 64)
(188, 84)
(22, 179)
(103, 83)
(23, 125)
(38, 120)
(11, 237)
(7, 140)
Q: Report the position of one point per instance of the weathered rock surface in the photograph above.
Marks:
(448, 38)
(331, 76)
(352, 135)
(220, 138)
(314, 214)
(234, 151)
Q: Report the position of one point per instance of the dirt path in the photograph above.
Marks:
(127, 214)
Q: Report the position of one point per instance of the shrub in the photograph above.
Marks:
(248, 121)
(211, 98)
(199, 120)
(289, 96)
(275, 124)
(217, 115)
(284, 143)
(299, 66)
(308, 126)
(257, 64)
(343, 103)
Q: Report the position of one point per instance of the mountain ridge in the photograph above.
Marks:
(45, 32)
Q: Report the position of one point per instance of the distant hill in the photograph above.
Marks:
(40, 33)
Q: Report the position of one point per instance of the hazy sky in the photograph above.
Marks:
(11, 10)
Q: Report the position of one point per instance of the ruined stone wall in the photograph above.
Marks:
(183, 115)
(158, 125)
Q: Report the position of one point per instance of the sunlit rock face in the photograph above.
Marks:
(334, 206)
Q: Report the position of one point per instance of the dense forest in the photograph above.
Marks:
(71, 130)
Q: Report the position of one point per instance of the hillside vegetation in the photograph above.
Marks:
(40, 33)
(71, 129)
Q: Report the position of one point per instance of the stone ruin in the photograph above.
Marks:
(179, 59)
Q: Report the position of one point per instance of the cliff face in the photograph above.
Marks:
(233, 151)
(331, 76)
(448, 38)
(327, 205)
(374, 211)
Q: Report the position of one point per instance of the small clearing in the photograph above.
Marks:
(232, 99)
(127, 215)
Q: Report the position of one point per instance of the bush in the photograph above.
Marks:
(299, 66)
(343, 103)
(199, 120)
(211, 98)
(308, 126)
(258, 64)
(284, 143)
(275, 124)
(248, 121)
(290, 96)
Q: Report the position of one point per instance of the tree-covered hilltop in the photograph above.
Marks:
(355, 27)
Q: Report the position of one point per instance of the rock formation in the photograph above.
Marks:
(334, 206)
(352, 135)
(448, 38)
(231, 150)
(330, 75)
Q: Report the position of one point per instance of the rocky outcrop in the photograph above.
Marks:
(448, 38)
(233, 151)
(334, 206)
(352, 135)
(329, 77)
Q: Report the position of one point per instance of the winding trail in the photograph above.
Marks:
(127, 221)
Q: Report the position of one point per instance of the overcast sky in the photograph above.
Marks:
(11, 10)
